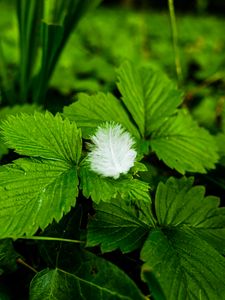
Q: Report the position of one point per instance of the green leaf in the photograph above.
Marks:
(87, 281)
(148, 95)
(182, 254)
(43, 135)
(51, 38)
(105, 188)
(3, 148)
(55, 34)
(36, 191)
(91, 111)
(29, 16)
(178, 203)
(8, 257)
(185, 266)
(32, 193)
(153, 284)
(18, 109)
(220, 141)
(117, 225)
(8, 110)
(184, 146)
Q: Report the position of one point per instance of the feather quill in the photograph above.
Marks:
(111, 152)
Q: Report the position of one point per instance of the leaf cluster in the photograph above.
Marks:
(179, 236)
(146, 234)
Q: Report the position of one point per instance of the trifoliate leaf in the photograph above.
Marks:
(105, 188)
(91, 111)
(182, 253)
(117, 225)
(43, 135)
(149, 96)
(183, 145)
(178, 203)
(33, 192)
(185, 266)
(88, 281)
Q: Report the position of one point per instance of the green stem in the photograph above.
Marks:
(175, 40)
(46, 238)
(22, 262)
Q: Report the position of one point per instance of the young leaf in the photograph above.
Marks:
(183, 145)
(105, 188)
(185, 266)
(87, 281)
(91, 111)
(116, 225)
(43, 135)
(149, 96)
(178, 203)
(32, 193)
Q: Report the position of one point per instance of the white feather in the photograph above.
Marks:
(111, 153)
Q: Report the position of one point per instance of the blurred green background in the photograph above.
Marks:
(119, 30)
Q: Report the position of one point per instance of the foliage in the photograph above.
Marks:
(146, 96)
(44, 27)
(105, 188)
(84, 281)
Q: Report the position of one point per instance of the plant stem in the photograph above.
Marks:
(22, 262)
(175, 40)
(47, 238)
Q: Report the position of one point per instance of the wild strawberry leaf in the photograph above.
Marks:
(153, 284)
(91, 111)
(43, 135)
(148, 95)
(18, 109)
(151, 100)
(36, 191)
(87, 280)
(178, 203)
(105, 188)
(185, 266)
(14, 110)
(117, 225)
(183, 145)
(32, 193)
(182, 253)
